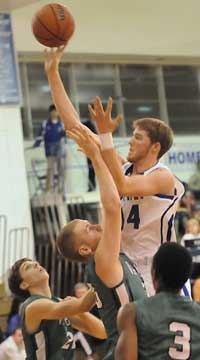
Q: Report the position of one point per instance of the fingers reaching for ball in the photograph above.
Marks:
(52, 58)
(84, 140)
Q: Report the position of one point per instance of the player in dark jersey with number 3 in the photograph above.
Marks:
(165, 326)
(112, 274)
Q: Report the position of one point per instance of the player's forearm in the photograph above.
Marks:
(61, 100)
(67, 308)
(114, 165)
(89, 324)
(109, 194)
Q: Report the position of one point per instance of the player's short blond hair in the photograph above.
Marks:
(67, 242)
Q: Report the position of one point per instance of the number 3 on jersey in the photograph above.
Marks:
(182, 339)
(133, 218)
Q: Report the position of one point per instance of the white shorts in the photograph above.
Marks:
(145, 272)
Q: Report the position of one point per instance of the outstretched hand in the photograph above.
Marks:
(52, 58)
(103, 118)
(84, 140)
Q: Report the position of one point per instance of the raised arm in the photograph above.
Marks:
(160, 181)
(127, 345)
(61, 100)
(107, 262)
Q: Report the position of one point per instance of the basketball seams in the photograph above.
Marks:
(55, 16)
(50, 32)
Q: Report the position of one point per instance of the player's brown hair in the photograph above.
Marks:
(66, 243)
(15, 279)
(158, 131)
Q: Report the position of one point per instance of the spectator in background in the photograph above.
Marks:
(98, 346)
(185, 210)
(83, 341)
(91, 173)
(197, 212)
(192, 230)
(80, 289)
(52, 131)
(13, 347)
(14, 318)
(194, 182)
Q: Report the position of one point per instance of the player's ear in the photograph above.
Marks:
(156, 148)
(85, 250)
(24, 285)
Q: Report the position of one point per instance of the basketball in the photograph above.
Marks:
(53, 25)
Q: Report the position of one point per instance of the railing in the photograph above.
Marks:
(17, 245)
(13, 245)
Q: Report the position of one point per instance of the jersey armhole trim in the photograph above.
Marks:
(165, 196)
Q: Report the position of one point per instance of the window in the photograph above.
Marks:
(134, 89)
(140, 93)
(183, 101)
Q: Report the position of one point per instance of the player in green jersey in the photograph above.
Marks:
(165, 326)
(112, 274)
(43, 325)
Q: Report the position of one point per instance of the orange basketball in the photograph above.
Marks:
(53, 25)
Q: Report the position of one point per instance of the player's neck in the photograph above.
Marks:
(143, 165)
(42, 289)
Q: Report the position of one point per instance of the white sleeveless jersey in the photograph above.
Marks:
(148, 221)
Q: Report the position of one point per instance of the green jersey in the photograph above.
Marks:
(109, 300)
(168, 327)
(50, 341)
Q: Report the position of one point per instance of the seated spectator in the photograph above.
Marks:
(185, 210)
(194, 182)
(14, 319)
(192, 230)
(13, 347)
(197, 212)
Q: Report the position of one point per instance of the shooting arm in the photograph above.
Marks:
(61, 100)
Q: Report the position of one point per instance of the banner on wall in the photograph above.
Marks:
(182, 159)
(9, 80)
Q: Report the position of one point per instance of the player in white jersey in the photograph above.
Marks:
(149, 191)
(147, 222)
(157, 191)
